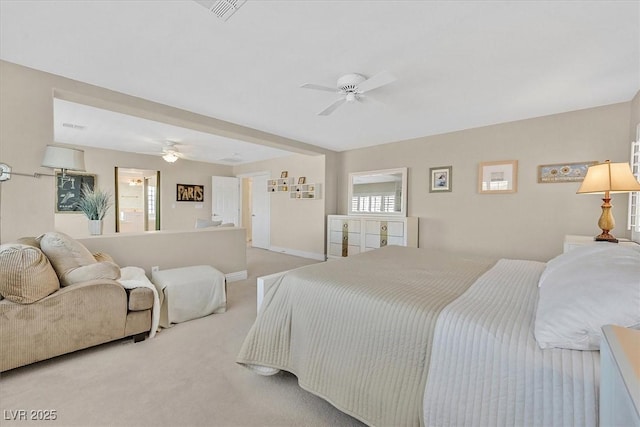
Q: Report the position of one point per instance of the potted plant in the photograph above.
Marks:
(94, 203)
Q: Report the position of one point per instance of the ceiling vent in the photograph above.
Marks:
(223, 9)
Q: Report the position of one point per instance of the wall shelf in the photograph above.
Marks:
(279, 185)
(305, 192)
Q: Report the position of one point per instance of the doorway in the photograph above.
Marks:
(137, 200)
(256, 209)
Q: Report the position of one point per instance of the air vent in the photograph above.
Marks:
(223, 9)
(73, 126)
(230, 160)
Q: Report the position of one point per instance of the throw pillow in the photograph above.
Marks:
(68, 255)
(585, 289)
(26, 276)
(204, 223)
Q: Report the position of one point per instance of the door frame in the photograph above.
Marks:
(249, 175)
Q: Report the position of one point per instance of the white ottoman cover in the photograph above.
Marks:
(189, 292)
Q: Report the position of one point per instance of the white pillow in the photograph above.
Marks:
(204, 223)
(585, 289)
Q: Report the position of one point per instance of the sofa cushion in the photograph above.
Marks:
(26, 276)
(73, 262)
(140, 299)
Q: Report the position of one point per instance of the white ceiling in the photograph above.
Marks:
(458, 64)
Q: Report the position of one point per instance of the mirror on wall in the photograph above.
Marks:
(381, 192)
(137, 200)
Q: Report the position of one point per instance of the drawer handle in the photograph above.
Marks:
(345, 238)
(383, 242)
(383, 228)
(345, 225)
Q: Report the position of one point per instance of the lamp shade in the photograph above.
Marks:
(63, 158)
(609, 177)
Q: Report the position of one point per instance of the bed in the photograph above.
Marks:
(407, 337)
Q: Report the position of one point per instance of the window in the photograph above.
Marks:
(634, 198)
(373, 203)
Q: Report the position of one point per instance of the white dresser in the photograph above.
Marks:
(350, 234)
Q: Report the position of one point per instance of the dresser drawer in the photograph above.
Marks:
(339, 237)
(348, 224)
(374, 241)
(390, 228)
(336, 250)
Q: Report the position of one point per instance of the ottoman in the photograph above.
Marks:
(189, 293)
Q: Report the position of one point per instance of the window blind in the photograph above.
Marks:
(634, 198)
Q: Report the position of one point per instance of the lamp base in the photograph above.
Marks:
(605, 237)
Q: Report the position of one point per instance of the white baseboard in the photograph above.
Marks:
(235, 276)
(302, 254)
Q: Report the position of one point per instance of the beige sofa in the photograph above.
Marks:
(56, 297)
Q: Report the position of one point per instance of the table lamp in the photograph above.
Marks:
(608, 178)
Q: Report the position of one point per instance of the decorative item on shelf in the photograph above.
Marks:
(498, 177)
(301, 180)
(284, 174)
(608, 178)
(94, 203)
(563, 172)
(440, 179)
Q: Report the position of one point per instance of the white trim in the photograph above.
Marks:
(236, 276)
(302, 254)
(264, 283)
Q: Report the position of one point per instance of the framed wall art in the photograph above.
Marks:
(440, 179)
(189, 193)
(69, 190)
(563, 172)
(498, 177)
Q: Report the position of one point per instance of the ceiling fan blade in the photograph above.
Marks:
(330, 109)
(376, 81)
(318, 87)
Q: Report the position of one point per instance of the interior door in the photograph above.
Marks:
(260, 213)
(225, 199)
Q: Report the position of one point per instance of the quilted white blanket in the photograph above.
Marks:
(358, 331)
(487, 369)
(134, 277)
(409, 337)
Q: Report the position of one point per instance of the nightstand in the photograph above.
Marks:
(619, 377)
(573, 241)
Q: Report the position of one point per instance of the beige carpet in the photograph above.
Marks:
(185, 376)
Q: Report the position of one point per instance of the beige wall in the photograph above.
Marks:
(297, 226)
(26, 127)
(529, 224)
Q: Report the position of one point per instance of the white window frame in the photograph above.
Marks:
(633, 219)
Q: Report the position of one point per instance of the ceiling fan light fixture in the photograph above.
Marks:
(170, 157)
(351, 96)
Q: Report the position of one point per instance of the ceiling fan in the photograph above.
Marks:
(351, 87)
(169, 152)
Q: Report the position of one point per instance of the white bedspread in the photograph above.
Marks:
(487, 370)
(134, 277)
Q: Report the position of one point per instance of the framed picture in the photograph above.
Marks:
(563, 172)
(189, 193)
(498, 177)
(284, 174)
(440, 179)
(69, 190)
(301, 180)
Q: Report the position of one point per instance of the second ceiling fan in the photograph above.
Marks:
(351, 87)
